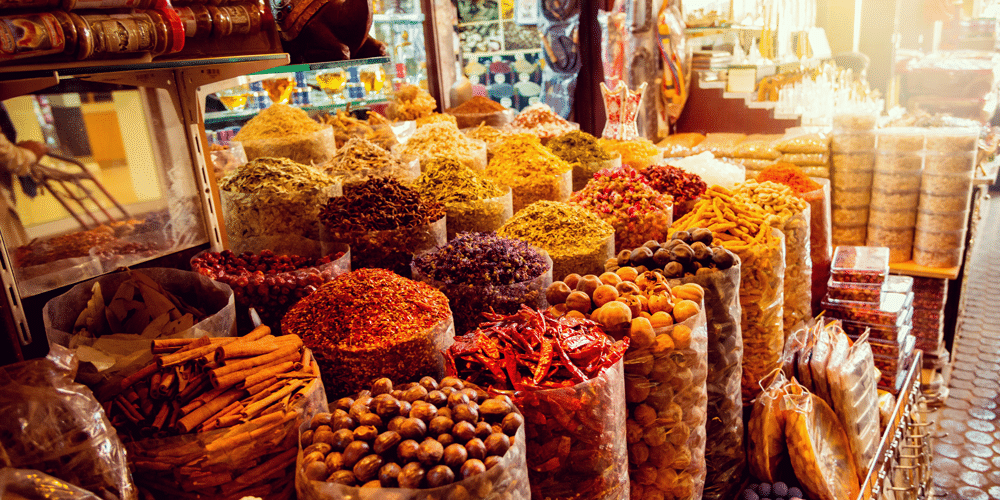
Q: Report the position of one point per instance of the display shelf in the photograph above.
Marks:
(910, 268)
(228, 116)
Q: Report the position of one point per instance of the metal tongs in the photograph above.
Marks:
(61, 183)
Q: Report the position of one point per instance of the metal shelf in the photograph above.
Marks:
(227, 116)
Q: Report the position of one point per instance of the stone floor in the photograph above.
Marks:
(966, 460)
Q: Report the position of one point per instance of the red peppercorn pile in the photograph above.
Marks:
(372, 323)
(622, 198)
(267, 282)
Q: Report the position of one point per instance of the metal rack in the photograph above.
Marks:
(902, 468)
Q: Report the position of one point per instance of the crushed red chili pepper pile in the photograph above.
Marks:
(533, 349)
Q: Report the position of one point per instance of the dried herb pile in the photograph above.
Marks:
(278, 121)
(447, 180)
(379, 205)
(276, 175)
(483, 258)
(577, 146)
(558, 228)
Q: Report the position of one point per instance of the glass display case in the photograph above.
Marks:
(124, 182)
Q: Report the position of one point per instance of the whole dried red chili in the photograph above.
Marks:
(566, 377)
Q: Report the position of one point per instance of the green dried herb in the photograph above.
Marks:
(577, 146)
(447, 180)
(277, 175)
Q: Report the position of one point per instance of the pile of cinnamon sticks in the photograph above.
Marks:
(250, 389)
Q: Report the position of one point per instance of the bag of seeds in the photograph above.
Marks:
(666, 401)
(725, 455)
(74, 319)
(432, 440)
(56, 426)
(273, 204)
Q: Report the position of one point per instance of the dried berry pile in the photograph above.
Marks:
(623, 199)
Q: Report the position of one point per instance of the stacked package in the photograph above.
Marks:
(899, 163)
(945, 191)
(864, 297)
(852, 164)
(929, 298)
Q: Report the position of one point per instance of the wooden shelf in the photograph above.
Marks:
(912, 269)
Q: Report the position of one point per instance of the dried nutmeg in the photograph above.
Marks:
(320, 419)
(413, 428)
(412, 476)
(388, 473)
(415, 393)
(492, 461)
(404, 407)
(386, 441)
(497, 444)
(381, 386)
(472, 467)
(457, 398)
(494, 409)
(407, 450)
(453, 382)
(306, 438)
(372, 420)
(367, 468)
(463, 431)
(323, 448)
(476, 448)
(440, 475)
(437, 398)
(430, 452)
(511, 423)
(342, 404)
(429, 383)
(372, 484)
(344, 477)
(341, 420)
(341, 439)
(444, 412)
(423, 410)
(702, 235)
(312, 457)
(360, 407)
(455, 455)
(440, 425)
(394, 424)
(445, 439)
(483, 430)
(386, 406)
(334, 462)
(354, 452)
(365, 433)
(465, 413)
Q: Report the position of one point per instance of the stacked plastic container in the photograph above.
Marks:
(852, 162)
(945, 192)
(899, 162)
(864, 297)
(930, 296)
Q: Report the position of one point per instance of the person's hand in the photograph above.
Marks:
(35, 147)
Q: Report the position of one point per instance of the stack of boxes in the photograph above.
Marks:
(863, 296)
(930, 296)
(852, 164)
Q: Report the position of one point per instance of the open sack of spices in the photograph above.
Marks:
(384, 222)
(56, 426)
(443, 138)
(665, 371)
(376, 128)
(576, 239)
(360, 159)
(283, 131)
(744, 229)
(623, 199)
(373, 323)
(587, 156)
(215, 417)
(267, 282)
(565, 376)
(542, 122)
(531, 171)
(471, 202)
(637, 153)
(480, 110)
(273, 204)
(692, 257)
(421, 441)
(110, 320)
(483, 272)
